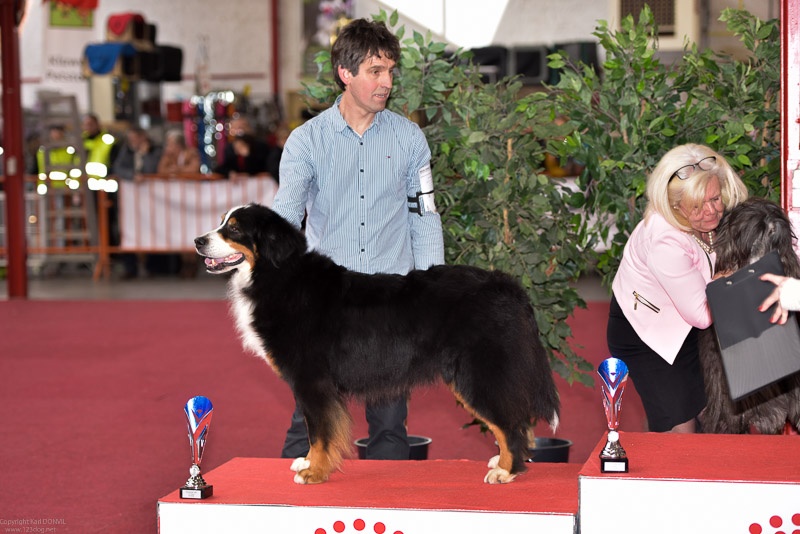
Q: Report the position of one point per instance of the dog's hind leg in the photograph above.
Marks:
(504, 467)
(329, 437)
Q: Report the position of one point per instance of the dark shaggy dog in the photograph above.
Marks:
(745, 234)
(330, 332)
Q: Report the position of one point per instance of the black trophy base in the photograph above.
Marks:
(613, 465)
(197, 493)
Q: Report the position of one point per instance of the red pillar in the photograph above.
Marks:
(276, 56)
(790, 108)
(13, 156)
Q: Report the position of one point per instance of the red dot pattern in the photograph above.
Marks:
(359, 525)
(775, 521)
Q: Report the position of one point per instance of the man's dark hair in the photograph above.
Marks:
(359, 40)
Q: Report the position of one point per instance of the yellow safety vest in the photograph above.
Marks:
(98, 154)
(58, 156)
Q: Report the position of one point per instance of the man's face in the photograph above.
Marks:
(135, 140)
(90, 125)
(370, 88)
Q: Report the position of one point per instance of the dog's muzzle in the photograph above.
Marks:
(214, 265)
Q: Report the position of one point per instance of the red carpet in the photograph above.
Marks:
(431, 485)
(92, 425)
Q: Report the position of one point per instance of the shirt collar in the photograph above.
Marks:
(340, 124)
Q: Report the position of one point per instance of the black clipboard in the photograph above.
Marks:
(755, 352)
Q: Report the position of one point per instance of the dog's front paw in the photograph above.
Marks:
(494, 461)
(498, 475)
(309, 476)
(299, 464)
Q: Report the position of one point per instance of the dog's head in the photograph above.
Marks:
(247, 235)
(749, 231)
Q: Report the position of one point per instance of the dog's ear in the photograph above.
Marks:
(277, 240)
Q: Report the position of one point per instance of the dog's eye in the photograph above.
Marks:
(232, 228)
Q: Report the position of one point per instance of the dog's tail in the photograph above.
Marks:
(554, 421)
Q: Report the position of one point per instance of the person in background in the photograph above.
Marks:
(246, 154)
(138, 156)
(659, 298)
(177, 157)
(354, 169)
(249, 157)
(101, 147)
(60, 155)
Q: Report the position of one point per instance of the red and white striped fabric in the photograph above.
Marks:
(166, 215)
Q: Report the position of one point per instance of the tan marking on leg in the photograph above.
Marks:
(500, 471)
(325, 457)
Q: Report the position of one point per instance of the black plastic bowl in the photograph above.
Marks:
(553, 450)
(418, 451)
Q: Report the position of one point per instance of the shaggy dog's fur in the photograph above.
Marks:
(745, 234)
(330, 332)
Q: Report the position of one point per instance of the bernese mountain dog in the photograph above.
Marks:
(333, 333)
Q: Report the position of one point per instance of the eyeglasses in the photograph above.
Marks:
(705, 164)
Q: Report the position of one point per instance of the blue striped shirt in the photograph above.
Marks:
(355, 191)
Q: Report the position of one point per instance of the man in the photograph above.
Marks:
(100, 147)
(137, 156)
(362, 174)
(245, 154)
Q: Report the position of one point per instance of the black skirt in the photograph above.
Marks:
(671, 394)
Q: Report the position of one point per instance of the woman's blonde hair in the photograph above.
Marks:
(665, 191)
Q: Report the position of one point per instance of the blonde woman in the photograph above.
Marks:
(659, 299)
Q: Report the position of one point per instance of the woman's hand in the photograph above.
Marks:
(779, 315)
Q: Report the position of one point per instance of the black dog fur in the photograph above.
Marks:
(745, 234)
(330, 333)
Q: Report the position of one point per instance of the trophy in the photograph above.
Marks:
(613, 374)
(198, 417)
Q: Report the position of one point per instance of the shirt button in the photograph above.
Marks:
(362, 250)
(362, 170)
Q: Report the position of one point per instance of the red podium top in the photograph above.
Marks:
(424, 485)
(705, 457)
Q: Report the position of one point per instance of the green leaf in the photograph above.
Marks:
(418, 39)
(476, 137)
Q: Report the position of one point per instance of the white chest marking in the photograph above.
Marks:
(242, 309)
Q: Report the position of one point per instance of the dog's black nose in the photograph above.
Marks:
(200, 241)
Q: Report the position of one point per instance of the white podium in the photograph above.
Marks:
(256, 495)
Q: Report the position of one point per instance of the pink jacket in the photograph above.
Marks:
(666, 268)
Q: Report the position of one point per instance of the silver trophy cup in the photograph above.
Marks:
(613, 375)
(198, 417)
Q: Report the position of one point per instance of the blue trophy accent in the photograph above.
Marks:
(613, 375)
(198, 417)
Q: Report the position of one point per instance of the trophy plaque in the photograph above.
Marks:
(198, 417)
(613, 374)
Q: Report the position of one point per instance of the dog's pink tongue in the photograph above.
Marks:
(211, 262)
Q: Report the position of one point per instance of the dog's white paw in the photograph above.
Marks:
(498, 476)
(299, 464)
(494, 461)
(298, 479)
